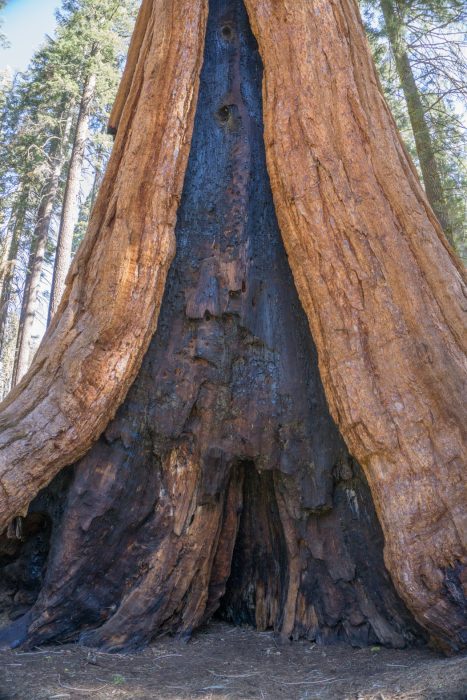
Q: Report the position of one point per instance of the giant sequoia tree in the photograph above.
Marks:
(298, 408)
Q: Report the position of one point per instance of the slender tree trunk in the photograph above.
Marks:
(423, 141)
(7, 261)
(39, 244)
(26, 287)
(9, 273)
(5, 252)
(70, 200)
(99, 170)
(5, 249)
(98, 174)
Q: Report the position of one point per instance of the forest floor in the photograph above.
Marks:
(224, 662)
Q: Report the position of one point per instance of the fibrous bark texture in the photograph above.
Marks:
(222, 483)
(383, 295)
(95, 344)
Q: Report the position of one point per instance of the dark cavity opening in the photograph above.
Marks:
(255, 590)
(223, 113)
(227, 32)
(23, 556)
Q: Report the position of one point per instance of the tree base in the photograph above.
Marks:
(222, 485)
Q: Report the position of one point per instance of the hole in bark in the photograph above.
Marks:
(227, 32)
(223, 114)
(255, 590)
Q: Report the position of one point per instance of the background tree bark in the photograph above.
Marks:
(69, 213)
(18, 222)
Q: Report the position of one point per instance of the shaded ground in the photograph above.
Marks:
(226, 662)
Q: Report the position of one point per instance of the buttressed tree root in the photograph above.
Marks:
(223, 484)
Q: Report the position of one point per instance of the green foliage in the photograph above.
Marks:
(35, 106)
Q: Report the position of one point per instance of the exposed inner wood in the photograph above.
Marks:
(222, 484)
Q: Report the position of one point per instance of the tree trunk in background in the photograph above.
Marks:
(227, 414)
(70, 199)
(98, 175)
(423, 141)
(99, 169)
(39, 244)
(5, 252)
(10, 267)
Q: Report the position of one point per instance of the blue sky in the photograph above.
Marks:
(25, 23)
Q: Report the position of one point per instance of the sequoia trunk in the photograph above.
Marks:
(223, 483)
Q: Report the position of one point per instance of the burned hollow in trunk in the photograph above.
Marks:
(222, 486)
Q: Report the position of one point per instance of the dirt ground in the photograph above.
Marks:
(224, 662)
